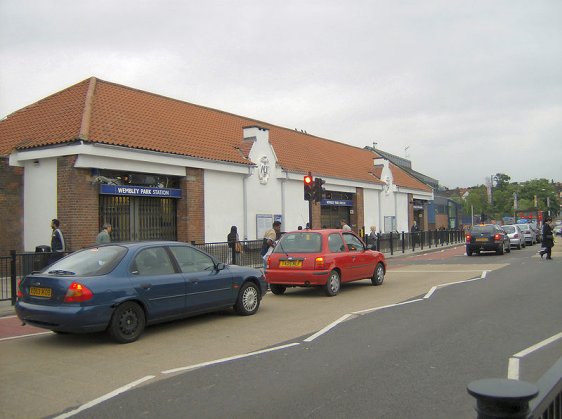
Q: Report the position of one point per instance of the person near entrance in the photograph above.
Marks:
(57, 241)
(372, 237)
(104, 234)
(234, 245)
(269, 240)
(415, 234)
(344, 225)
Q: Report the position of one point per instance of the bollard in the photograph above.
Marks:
(502, 398)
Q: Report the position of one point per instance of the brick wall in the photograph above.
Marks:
(11, 207)
(77, 204)
(358, 219)
(191, 207)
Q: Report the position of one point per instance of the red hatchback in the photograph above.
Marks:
(325, 258)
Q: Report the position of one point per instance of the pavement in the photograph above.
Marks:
(6, 308)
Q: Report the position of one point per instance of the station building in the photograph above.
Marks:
(159, 168)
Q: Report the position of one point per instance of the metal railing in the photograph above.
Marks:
(504, 398)
(17, 265)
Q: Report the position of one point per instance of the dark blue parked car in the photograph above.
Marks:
(122, 287)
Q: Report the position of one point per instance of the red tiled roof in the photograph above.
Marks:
(102, 112)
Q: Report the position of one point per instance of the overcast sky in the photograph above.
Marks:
(464, 89)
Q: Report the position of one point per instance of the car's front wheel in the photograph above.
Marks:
(468, 251)
(333, 284)
(277, 289)
(378, 276)
(248, 299)
(127, 322)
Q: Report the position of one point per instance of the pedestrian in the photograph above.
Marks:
(415, 233)
(344, 225)
(547, 239)
(415, 227)
(373, 237)
(269, 240)
(57, 241)
(104, 235)
(234, 245)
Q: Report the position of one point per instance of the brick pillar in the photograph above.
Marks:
(11, 207)
(316, 216)
(77, 204)
(191, 207)
(358, 218)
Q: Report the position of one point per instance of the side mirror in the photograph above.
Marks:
(220, 266)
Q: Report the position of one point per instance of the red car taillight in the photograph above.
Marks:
(468, 237)
(78, 293)
(516, 236)
(319, 263)
(497, 237)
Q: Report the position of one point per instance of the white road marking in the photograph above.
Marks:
(105, 397)
(513, 364)
(230, 358)
(327, 328)
(26, 336)
(388, 306)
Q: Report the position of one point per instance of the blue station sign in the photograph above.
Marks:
(131, 190)
(337, 202)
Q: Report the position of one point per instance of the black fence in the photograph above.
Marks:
(504, 398)
(18, 265)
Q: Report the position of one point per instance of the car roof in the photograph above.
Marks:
(321, 231)
(135, 245)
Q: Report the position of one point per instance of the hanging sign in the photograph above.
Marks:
(131, 190)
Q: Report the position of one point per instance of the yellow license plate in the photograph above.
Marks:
(40, 292)
(290, 263)
(482, 239)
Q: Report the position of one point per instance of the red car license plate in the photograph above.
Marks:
(290, 263)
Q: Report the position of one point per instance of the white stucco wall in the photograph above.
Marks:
(40, 202)
(224, 201)
(372, 210)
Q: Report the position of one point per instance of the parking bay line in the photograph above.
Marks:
(230, 358)
(513, 363)
(105, 397)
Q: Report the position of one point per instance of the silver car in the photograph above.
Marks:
(529, 233)
(516, 236)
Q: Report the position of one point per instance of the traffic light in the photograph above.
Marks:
(318, 189)
(308, 188)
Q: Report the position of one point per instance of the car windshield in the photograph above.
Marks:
(488, 229)
(94, 261)
(509, 229)
(524, 227)
(305, 242)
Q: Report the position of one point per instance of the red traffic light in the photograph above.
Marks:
(308, 180)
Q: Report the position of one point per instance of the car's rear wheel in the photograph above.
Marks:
(519, 246)
(333, 284)
(248, 299)
(378, 276)
(127, 322)
(508, 249)
(468, 251)
(499, 251)
(277, 289)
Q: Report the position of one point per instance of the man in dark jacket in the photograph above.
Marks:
(547, 239)
(57, 241)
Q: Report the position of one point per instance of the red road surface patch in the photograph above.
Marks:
(10, 326)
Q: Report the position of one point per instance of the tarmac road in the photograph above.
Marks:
(49, 374)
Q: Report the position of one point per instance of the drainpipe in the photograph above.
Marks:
(245, 201)
(283, 191)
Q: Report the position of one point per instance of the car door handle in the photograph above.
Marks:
(146, 286)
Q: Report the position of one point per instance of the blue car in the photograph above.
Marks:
(122, 287)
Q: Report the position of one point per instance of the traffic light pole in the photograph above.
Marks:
(310, 214)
